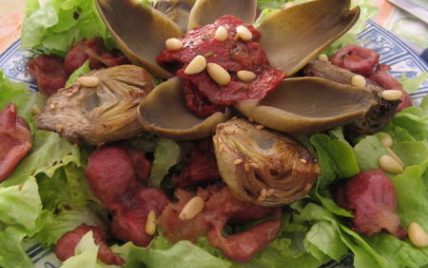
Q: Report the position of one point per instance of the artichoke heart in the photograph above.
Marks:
(101, 112)
(262, 166)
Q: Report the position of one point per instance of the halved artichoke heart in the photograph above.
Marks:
(99, 114)
(262, 166)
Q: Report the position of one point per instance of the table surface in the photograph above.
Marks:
(399, 22)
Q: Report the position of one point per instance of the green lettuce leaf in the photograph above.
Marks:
(165, 255)
(21, 211)
(167, 154)
(21, 204)
(412, 84)
(86, 255)
(84, 69)
(19, 94)
(368, 151)
(58, 24)
(12, 254)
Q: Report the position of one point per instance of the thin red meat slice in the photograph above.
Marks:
(94, 50)
(110, 173)
(49, 72)
(220, 209)
(175, 229)
(200, 167)
(356, 59)
(66, 245)
(15, 140)
(142, 165)
(129, 220)
(243, 246)
(370, 195)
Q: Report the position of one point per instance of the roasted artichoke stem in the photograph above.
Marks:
(379, 114)
(102, 112)
(262, 166)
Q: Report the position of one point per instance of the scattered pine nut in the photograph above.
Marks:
(389, 164)
(308, 187)
(395, 156)
(218, 74)
(220, 34)
(254, 165)
(323, 57)
(151, 223)
(358, 81)
(59, 128)
(243, 33)
(88, 81)
(262, 195)
(247, 167)
(392, 94)
(173, 44)
(246, 76)
(288, 5)
(196, 66)
(417, 235)
(36, 109)
(192, 208)
(238, 161)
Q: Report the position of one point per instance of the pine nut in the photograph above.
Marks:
(395, 156)
(389, 164)
(36, 109)
(386, 140)
(247, 167)
(323, 57)
(417, 235)
(196, 66)
(238, 161)
(358, 81)
(288, 5)
(220, 34)
(192, 208)
(88, 81)
(392, 94)
(246, 76)
(173, 44)
(262, 196)
(243, 33)
(218, 74)
(151, 223)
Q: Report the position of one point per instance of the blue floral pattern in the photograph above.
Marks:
(393, 52)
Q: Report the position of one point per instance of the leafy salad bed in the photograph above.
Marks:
(47, 195)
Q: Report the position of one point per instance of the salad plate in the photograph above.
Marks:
(403, 61)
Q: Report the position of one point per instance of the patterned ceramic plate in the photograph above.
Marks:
(392, 52)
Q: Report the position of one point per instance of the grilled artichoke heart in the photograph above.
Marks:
(262, 166)
(99, 114)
